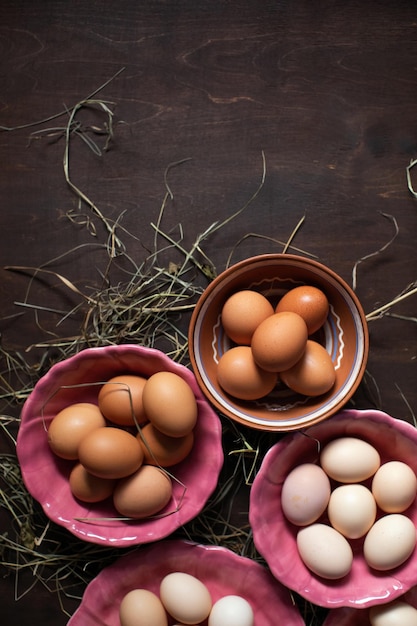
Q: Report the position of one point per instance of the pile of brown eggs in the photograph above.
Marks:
(275, 343)
(363, 499)
(121, 446)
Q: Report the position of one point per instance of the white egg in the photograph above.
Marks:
(349, 459)
(185, 597)
(352, 510)
(397, 613)
(305, 494)
(231, 610)
(394, 486)
(390, 542)
(325, 551)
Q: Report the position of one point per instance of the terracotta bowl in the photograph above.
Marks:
(46, 476)
(344, 335)
(275, 537)
(221, 570)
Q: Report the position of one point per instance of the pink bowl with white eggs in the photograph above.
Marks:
(46, 475)
(276, 538)
(222, 571)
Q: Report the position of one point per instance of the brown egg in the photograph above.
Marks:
(241, 377)
(279, 341)
(120, 400)
(314, 374)
(141, 607)
(89, 488)
(143, 494)
(242, 313)
(110, 453)
(160, 449)
(309, 302)
(170, 404)
(71, 425)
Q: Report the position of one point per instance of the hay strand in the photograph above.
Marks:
(376, 252)
(149, 308)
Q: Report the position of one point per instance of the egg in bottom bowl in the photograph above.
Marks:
(45, 475)
(275, 537)
(221, 570)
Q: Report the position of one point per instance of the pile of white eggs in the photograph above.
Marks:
(357, 498)
(186, 599)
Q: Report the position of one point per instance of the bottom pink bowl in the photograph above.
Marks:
(221, 570)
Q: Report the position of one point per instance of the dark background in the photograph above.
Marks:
(326, 91)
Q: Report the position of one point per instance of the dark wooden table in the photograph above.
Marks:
(319, 99)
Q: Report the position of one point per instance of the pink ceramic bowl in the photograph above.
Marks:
(46, 476)
(347, 616)
(275, 537)
(344, 335)
(221, 570)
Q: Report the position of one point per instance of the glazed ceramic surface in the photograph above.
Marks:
(222, 571)
(344, 335)
(359, 617)
(275, 537)
(46, 476)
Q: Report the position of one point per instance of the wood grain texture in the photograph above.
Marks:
(327, 91)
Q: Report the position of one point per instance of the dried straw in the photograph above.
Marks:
(150, 308)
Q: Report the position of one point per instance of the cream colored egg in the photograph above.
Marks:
(231, 610)
(185, 597)
(397, 613)
(305, 494)
(394, 487)
(349, 459)
(325, 551)
(352, 510)
(141, 607)
(390, 542)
